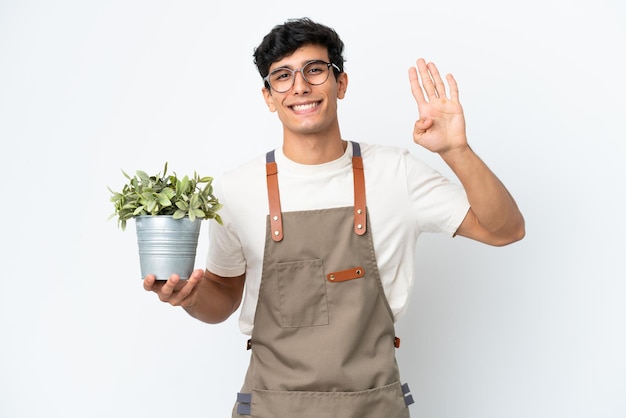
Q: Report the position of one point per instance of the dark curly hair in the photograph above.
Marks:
(283, 40)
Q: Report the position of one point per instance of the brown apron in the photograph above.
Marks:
(323, 338)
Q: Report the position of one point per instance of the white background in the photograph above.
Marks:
(536, 329)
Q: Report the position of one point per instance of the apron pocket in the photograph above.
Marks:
(302, 293)
(386, 401)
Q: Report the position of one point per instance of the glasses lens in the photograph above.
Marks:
(315, 72)
(281, 79)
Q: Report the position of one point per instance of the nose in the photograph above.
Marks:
(300, 85)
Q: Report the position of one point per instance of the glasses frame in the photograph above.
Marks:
(266, 79)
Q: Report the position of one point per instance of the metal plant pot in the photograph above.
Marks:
(167, 245)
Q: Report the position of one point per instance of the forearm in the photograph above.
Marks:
(492, 204)
(216, 298)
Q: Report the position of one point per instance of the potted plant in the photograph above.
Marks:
(167, 211)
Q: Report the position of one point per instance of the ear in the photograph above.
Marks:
(269, 100)
(342, 85)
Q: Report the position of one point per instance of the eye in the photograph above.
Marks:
(280, 75)
(316, 68)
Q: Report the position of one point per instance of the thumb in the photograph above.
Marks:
(422, 125)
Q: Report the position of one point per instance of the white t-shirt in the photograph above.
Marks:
(404, 196)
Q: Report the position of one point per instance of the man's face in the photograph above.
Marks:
(307, 109)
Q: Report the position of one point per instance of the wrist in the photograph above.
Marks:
(456, 154)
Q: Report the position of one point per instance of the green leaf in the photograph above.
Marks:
(183, 186)
(195, 201)
(169, 192)
(143, 176)
(197, 213)
(208, 190)
(164, 200)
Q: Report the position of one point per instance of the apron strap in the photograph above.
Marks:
(360, 209)
(360, 212)
(276, 217)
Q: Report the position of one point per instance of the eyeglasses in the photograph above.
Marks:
(313, 72)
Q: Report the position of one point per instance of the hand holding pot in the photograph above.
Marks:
(174, 291)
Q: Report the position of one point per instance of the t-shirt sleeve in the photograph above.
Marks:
(225, 255)
(439, 204)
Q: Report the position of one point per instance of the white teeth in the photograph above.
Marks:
(302, 108)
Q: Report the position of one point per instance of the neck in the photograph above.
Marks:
(310, 151)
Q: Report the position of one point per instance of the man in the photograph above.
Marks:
(323, 232)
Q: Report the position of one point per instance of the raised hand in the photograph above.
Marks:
(441, 126)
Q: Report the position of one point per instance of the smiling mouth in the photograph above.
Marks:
(304, 107)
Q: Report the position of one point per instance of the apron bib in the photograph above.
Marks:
(323, 343)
